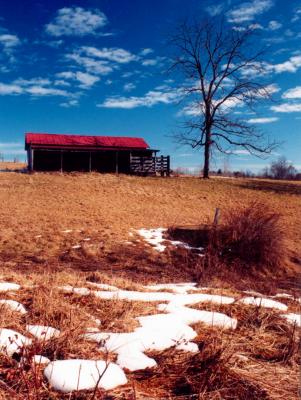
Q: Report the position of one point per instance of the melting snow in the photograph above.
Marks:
(160, 331)
(14, 306)
(38, 359)
(7, 286)
(12, 342)
(155, 238)
(42, 332)
(181, 288)
(260, 301)
(293, 318)
(70, 375)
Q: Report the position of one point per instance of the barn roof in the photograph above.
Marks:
(58, 140)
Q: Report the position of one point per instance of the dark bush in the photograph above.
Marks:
(249, 236)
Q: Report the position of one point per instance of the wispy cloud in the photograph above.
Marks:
(287, 107)
(262, 120)
(145, 52)
(9, 42)
(118, 55)
(150, 99)
(215, 9)
(76, 21)
(127, 87)
(85, 79)
(34, 87)
(274, 25)
(247, 11)
(293, 93)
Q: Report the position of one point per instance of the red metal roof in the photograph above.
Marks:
(48, 139)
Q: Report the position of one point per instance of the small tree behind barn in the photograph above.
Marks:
(222, 68)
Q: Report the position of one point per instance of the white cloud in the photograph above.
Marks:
(98, 67)
(274, 25)
(296, 17)
(129, 86)
(287, 107)
(150, 99)
(70, 103)
(9, 42)
(291, 65)
(34, 87)
(146, 51)
(10, 88)
(85, 79)
(293, 93)
(111, 54)
(76, 21)
(153, 61)
(263, 120)
(42, 91)
(249, 10)
(215, 9)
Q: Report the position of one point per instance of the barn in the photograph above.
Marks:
(66, 153)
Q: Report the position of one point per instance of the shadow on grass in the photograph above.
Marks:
(272, 186)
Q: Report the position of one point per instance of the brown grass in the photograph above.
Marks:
(35, 209)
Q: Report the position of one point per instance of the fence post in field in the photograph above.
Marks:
(216, 216)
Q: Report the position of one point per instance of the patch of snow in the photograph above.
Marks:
(283, 295)
(73, 375)
(76, 290)
(134, 295)
(260, 301)
(7, 286)
(76, 246)
(87, 239)
(181, 288)
(160, 331)
(67, 231)
(42, 332)
(38, 359)
(12, 342)
(154, 237)
(293, 318)
(179, 299)
(103, 286)
(14, 306)
(188, 346)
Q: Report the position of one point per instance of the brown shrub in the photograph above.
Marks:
(251, 236)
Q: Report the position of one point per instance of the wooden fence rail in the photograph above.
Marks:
(150, 165)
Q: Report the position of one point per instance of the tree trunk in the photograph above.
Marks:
(206, 156)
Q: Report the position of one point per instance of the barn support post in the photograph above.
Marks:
(61, 161)
(90, 161)
(117, 159)
(168, 166)
(162, 166)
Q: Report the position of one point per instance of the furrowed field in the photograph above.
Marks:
(70, 241)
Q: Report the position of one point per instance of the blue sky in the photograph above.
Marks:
(99, 67)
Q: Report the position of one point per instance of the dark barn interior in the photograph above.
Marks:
(67, 153)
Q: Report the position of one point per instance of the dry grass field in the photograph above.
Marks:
(74, 229)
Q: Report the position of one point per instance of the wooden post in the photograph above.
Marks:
(90, 161)
(61, 161)
(216, 216)
(117, 154)
(168, 166)
(32, 159)
(162, 166)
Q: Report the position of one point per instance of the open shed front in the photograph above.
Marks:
(82, 161)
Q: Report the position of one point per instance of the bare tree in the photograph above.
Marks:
(220, 66)
(282, 169)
